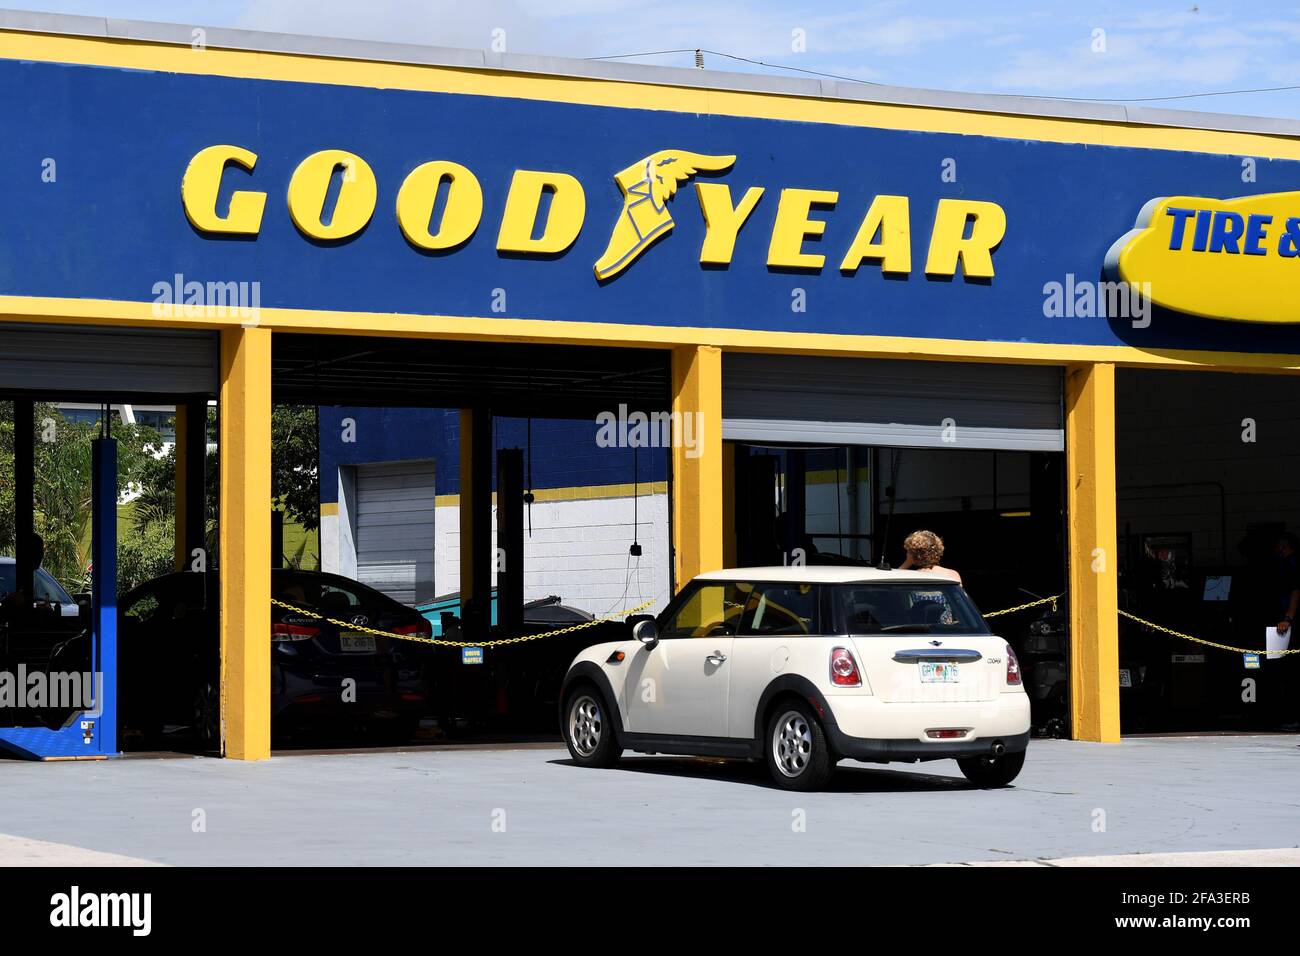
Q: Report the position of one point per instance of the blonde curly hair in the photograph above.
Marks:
(925, 548)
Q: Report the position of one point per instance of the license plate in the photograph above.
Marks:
(356, 643)
(938, 672)
(1125, 677)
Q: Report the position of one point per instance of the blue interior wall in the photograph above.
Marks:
(564, 451)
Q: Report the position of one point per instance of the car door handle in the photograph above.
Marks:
(716, 658)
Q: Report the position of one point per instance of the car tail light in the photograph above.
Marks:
(844, 669)
(1013, 667)
(422, 628)
(283, 631)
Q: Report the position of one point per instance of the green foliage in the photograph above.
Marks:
(62, 492)
(144, 552)
(146, 531)
(295, 454)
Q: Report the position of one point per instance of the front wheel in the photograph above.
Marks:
(991, 772)
(588, 731)
(798, 756)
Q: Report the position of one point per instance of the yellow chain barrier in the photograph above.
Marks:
(641, 607)
(1200, 640)
(1021, 607)
(443, 643)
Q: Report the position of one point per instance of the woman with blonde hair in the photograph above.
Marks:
(924, 552)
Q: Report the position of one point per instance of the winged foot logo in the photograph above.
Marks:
(647, 185)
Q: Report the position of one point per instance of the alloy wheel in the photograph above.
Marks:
(585, 725)
(792, 743)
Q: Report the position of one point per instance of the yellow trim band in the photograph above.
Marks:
(112, 312)
(293, 67)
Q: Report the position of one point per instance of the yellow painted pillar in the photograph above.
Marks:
(245, 525)
(697, 461)
(1094, 592)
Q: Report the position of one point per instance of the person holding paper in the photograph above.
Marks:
(1284, 595)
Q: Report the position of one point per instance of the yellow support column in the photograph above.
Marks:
(697, 461)
(245, 524)
(1094, 593)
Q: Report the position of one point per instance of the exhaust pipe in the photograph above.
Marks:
(999, 748)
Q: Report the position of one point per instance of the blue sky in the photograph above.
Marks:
(1113, 50)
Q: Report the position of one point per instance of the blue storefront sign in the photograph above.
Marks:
(834, 228)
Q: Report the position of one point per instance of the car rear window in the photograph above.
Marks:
(326, 591)
(909, 608)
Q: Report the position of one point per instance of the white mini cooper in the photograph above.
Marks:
(803, 667)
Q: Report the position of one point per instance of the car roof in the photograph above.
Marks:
(822, 574)
(10, 562)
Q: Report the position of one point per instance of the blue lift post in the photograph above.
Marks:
(90, 734)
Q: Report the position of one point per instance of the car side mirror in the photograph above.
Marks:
(646, 631)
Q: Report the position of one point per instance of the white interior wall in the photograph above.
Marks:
(579, 551)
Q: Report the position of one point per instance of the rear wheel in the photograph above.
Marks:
(588, 731)
(205, 713)
(798, 756)
(991, 772)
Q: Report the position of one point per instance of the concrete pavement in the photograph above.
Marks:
(1073, 802)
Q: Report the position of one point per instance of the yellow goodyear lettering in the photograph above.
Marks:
(201, 184)
(310, 185)
(461, 212)
(722, 220)
(965, 232)
(563, 219)
(949, 242)
(887, 217)
(792, 227)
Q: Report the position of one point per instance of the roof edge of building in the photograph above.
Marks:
(23, 21)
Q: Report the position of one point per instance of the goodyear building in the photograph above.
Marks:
(1062, 335)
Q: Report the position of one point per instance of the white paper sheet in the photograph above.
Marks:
(1276, 642)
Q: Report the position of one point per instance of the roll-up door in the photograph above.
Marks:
(792, 399)
(69, 359)
(394, 529)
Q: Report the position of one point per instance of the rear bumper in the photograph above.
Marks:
(885, 750)
(866, 728)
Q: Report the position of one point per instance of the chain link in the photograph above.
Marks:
(444, 643)
(1200, 640)
(1020, 607)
